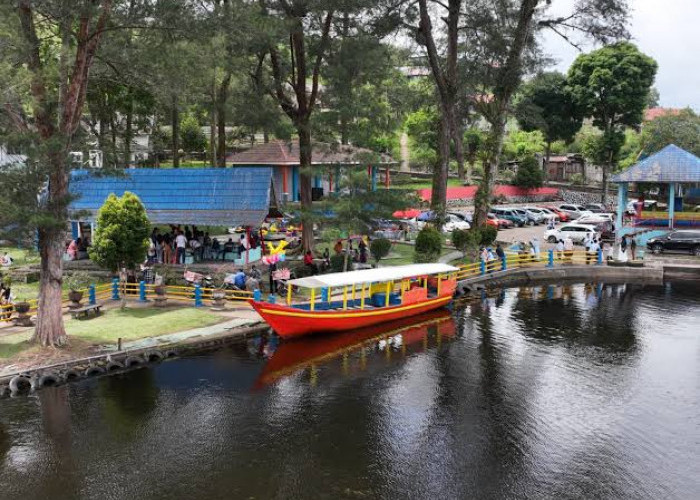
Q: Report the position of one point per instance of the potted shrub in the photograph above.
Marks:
(21, 306)
(22, 309)
(77, 283)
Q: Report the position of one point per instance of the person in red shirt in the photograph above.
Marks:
(309, 261)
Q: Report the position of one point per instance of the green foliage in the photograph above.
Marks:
(78, 280)
(576, 179)
(682, 129)
(379, 248)
(422, 126)
(191, 135)
(612, 84)
(519, 143)
(487, 234)
(121, 237)
(529, 175)
(428, 245)
(337, 263)
(547, 105)
(465, 239)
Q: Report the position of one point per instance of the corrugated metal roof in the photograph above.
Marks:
(278, 152)
(10, 159)
(202, 196)
(671, 164)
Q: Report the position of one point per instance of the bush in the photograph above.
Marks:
(77, 281)
(338, 263)
(379, 248)
(487, 235)
(428, 245)
(191, 135)
(529, 175)
(576, 179)
(463, 240)
(121, 237)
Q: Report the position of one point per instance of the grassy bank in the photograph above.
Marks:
(129, 324)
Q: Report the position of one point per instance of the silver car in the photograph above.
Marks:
(574, 211)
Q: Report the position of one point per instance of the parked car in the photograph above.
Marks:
(511, 215)
(649, 206)
(683, 240)
(596, 208)
(563, 216)
(502, 223)
(545, 216)
(453, 222)
(577, 233)
(532, 217)
(574, 211)
(585, 219)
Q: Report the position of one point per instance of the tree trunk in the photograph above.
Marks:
(128, 132)
(266, 137)
(49, 325)
(545, 165)
(459, 148)
(221, 99)
(438, 195)
(482, 202)
(175, 123)
(212, 134)
(305, 173)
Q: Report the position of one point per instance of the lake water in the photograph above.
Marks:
(582, 391)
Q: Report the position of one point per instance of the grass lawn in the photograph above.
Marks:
(20, 256)
(129, 324)
(427, 184)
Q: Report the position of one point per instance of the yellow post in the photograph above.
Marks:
(362, 297)
(345, 298)
(403, 288)
(313, 298)
(388, 290)
(353, 294)
(439, 278)
(289, 294)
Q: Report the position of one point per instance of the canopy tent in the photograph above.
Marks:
(201, 196)
(381, 274)
(672, 165)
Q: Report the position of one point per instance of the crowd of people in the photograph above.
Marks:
(172, 247)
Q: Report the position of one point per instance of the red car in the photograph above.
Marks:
(499, 223)
(563, 216)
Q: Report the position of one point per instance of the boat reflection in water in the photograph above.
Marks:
(415, 332)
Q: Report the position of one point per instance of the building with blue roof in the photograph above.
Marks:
(202, 196)
(673, 166)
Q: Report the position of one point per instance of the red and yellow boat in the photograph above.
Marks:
(362, 298)
(291, 357)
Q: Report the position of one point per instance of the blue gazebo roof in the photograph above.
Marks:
(201, 196)
(671, 164)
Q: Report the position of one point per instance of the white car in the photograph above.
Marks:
(546, 215)
(577, 233)
(574, 211)
(595, 218)
(453, 222)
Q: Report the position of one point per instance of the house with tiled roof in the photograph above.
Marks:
(653, 113)
(329, 161)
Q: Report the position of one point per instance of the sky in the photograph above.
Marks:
(668, 31)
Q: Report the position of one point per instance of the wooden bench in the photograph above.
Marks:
(85, 310)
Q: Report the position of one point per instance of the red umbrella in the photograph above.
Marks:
(407, 214)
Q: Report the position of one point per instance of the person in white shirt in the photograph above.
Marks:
(181, 244)
(592, 252)
(568, 248)
(560, 249)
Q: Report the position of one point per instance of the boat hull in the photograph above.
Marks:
(290, 322)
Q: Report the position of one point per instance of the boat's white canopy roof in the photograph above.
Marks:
(380, 274)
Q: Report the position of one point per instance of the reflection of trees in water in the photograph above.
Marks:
(54, 403)
(128, 400)
(606, 320)
(488, 412)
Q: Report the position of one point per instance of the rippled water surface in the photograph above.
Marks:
(586, 391)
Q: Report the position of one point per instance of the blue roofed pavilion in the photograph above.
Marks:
(202, 196)
(673, 166)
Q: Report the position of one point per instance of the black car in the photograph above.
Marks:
(676, 241)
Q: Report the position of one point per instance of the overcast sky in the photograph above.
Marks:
(668, 31)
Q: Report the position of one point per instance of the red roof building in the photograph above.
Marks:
(653, 113)
(328, 161)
